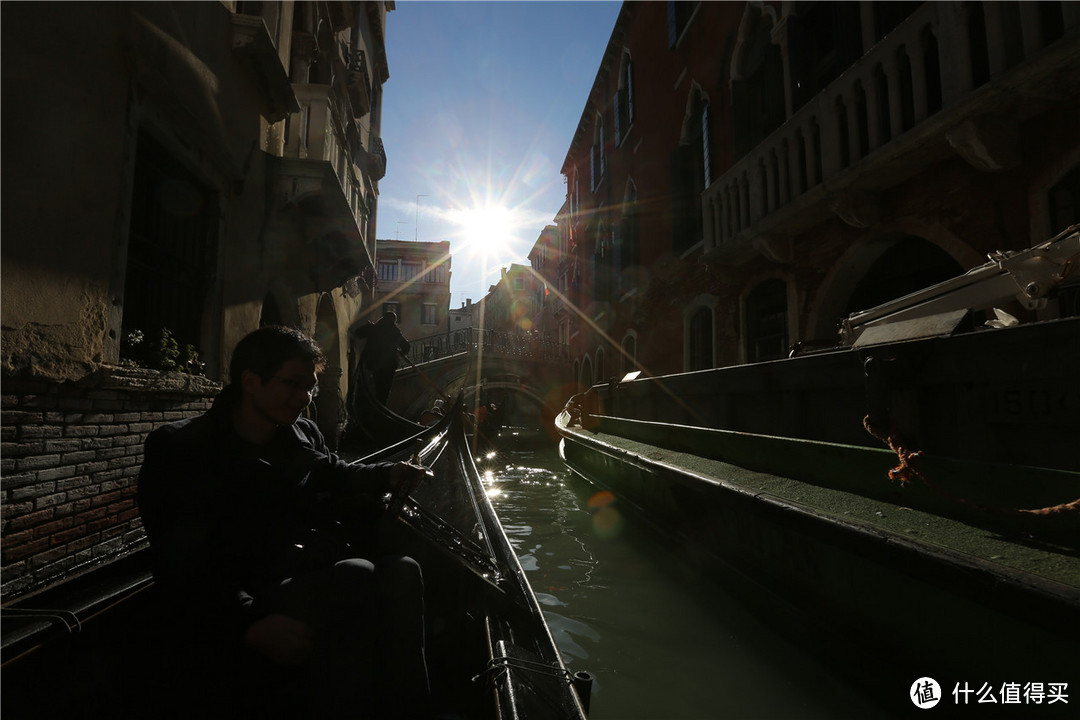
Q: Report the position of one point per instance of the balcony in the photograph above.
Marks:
(252, 43)
(318, 176)
(954, 78)
(358, 82)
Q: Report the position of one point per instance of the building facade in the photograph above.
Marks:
(413, 281)
(744, 175)
(512, 303)
(178, 174)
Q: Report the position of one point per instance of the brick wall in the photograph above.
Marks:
(69, 461)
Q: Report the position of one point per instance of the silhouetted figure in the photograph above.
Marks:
(259, 590)
(380, 355)
(487, 427)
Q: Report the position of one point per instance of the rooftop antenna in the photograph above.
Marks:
(397, 230)
(416, 229)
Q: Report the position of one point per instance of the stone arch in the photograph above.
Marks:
(866, 262)
(586, 377)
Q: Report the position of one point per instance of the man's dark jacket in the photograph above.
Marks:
(228, 521)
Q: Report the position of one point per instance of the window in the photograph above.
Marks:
(629, 354)
(519, 283)
(1065, 201)
(679, 16)
(436, 274)
(172, 247)
(388, 270)
(410, 269)
(596, 153)
(624, 99)
(700, 356)
(758, 105)
(429, 314)
(766, 321)
(691, 175)
(628, 248)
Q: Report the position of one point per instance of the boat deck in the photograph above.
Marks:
(928, 590)
(1050, 563)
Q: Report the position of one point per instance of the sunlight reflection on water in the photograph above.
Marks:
(659, 644)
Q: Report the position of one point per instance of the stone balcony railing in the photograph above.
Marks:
(886, 115)
(317, 138)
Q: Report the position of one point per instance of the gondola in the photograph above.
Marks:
(373, 425)
(490, 652)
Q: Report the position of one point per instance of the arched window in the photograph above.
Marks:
(596, 153)
(599, 363)
(629, 353)
(691, 172)
(624, 99)
(172, 244)
(1065, 201)
(766, 321)
(586, 378)
(700, 329)
(757, 85)
(627, 241)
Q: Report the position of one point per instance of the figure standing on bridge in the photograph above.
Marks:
(380, 354)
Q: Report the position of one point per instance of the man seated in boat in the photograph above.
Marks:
(232, 502)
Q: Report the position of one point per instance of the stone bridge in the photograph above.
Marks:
(528, 376)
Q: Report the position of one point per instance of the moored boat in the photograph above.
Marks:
(915, 490)
(87, 648)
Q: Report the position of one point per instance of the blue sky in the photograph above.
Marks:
(478, 114)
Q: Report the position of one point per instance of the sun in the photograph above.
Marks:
(487, 230)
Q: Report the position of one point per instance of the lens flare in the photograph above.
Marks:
(607, 521)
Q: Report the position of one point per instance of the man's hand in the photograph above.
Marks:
(280, 639)
(406, 475)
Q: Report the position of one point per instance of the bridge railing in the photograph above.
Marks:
(500, 342)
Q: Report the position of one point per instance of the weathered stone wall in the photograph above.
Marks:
(70, 459)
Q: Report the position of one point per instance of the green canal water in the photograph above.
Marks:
(661, 638)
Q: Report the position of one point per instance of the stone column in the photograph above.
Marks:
(954, 50)
(896, 112)
(917, 60)
(1031, 27)
(995, 36)
(779, 36)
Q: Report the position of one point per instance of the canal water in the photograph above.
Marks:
(662, 640)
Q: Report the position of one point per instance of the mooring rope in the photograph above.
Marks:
(908, 470)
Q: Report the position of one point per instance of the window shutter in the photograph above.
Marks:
(618, 113)
(602, 154)
(592, 168)
(705, 142)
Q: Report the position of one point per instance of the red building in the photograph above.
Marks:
(744, 175)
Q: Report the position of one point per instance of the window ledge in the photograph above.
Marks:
(115, 377)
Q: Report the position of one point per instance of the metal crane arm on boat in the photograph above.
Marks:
(1025, 275)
